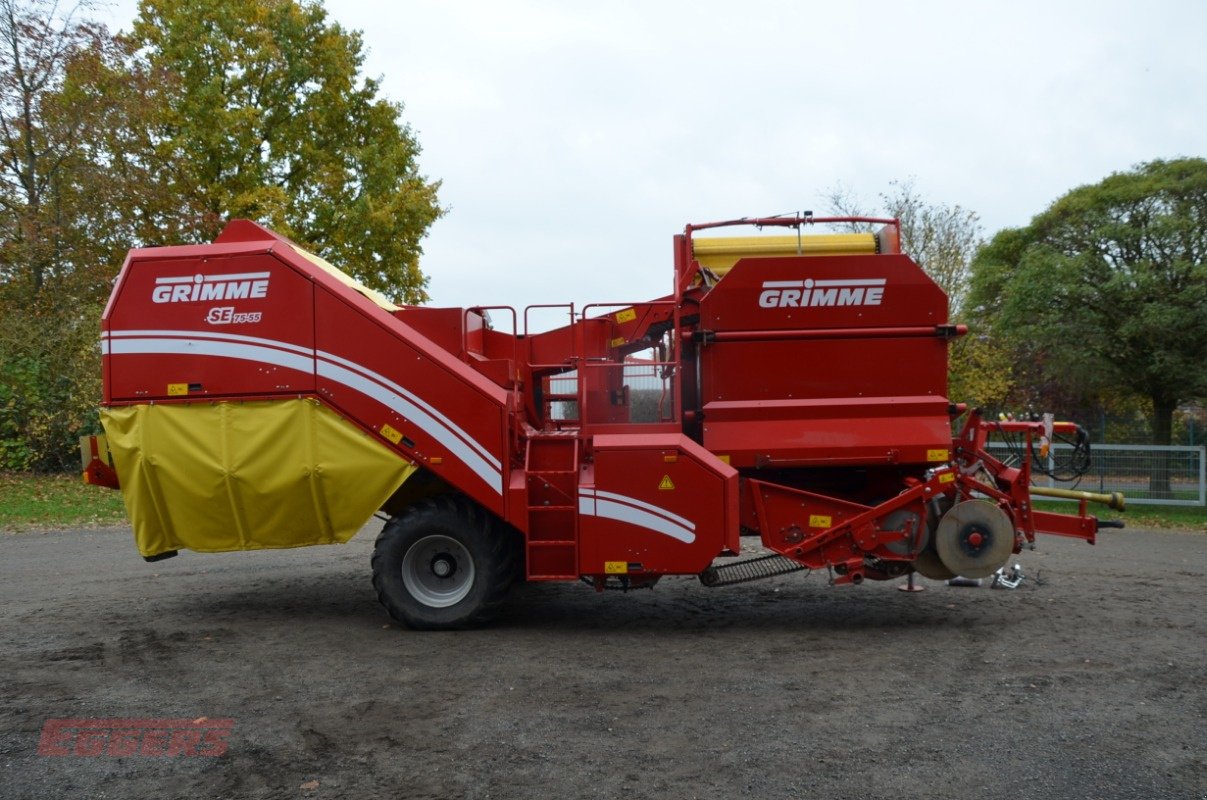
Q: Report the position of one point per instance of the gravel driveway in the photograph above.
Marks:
(1088, 683)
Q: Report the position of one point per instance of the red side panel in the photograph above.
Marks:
(211, 326)
(655, 504)
(825, 361)
(825, 432)
(844, 292)
(378, 371)
(251, 317)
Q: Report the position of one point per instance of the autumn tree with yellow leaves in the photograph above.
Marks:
(207, 110)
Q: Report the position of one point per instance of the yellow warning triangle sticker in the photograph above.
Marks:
(666, 483)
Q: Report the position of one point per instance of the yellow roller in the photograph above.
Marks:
(719, 254)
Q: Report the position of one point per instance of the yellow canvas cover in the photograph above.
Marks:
(225, 476)
(347, 280)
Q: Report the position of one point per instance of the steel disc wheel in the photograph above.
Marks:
(438, 571)
(900, 520)
(974, 539)
(928, 565)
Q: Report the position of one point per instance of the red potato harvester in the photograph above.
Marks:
(791, 387)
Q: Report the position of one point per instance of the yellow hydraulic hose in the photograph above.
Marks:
(1112, 500)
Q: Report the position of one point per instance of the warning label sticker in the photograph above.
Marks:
(390, 433)
(666, 484)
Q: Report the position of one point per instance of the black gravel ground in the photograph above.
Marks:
(1089, 683)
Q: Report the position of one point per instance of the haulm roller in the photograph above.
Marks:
(791, 388)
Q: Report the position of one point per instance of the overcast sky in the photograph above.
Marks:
(574, 139)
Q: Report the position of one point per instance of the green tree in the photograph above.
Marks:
(54, 270)
(43, 130)
(1106, 290)
(266, 116)
(209, 110)
(942, 239)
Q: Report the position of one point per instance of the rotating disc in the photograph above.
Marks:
(901, 520)
(928, 565)
(974, 538)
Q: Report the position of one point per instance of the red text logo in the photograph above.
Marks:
(135, 737)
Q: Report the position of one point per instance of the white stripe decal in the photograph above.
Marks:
(632, 511)
(203, 347)
(853, 282)
(847, 282)
(686, 523)
(642, 519)
(386, 382)
(489, 473)
(269, 351)
(238, 276)
(231, 337)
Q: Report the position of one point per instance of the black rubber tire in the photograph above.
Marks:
(492, 547)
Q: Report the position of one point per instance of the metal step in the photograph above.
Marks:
(750, 569)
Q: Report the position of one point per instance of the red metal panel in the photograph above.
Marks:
(823, 292)
(811, 361)
(839, 431)
(438, 410)
(228, 324)
(656, 504)
(238, 320)
(819, 369)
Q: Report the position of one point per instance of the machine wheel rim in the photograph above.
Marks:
(438, 571)
(974, 538)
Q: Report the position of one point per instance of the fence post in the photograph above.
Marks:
(1203, 476)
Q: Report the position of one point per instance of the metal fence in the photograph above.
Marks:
(1146, 474)
(1189, 425)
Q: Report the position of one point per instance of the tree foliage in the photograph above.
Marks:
(266, 116)
(208, 110)
(54, 268)
(1106, 291)
(940, 238)
(45, 126)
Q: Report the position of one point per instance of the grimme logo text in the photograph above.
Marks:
(810, 293)
(194, 288)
